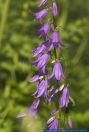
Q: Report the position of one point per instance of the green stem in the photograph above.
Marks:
(55, 54)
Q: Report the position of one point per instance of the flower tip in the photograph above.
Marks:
(43, 2)
(54, 9)
(21, 115)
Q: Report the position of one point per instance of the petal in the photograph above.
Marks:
(35, 104)
(54, 9)
(52, 75)
(21, 115)
(54, 125)
(41, 14)
(65, 98)
(58, 71)
(34, 63)
(40, 92)
(34, 78)
(42, 3)
(51, 120)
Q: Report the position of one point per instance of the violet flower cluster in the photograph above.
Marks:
(45, 54)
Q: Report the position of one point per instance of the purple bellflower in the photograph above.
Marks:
(42, 3)
(53, 93)
(41, 49)
(64, 101)
(54, 9)
(41, 14)
(32, 111)
(44, 30)
(41, 88)
(34, 78)
(57, 72)
(42, 61)
(55, 40)
(50, 120)
(52, 123)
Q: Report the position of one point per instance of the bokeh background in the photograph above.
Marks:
(17, 40)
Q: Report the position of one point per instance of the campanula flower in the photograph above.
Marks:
(42, 61)
(55, 40)
(64, 101)
(50, 120)
(52, 123)
(54, 9)
(44, 30)
(54, 95)
(34, 78)
(57, 72)
(42, 3)
(41, 49)
(32, 111)
(41, 14)
(41, 88)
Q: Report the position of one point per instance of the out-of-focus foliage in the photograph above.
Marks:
(17, 39)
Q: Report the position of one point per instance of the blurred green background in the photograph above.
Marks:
(17, 40)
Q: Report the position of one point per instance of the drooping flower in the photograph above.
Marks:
(54, 9)
(42, 61)
(55, 40)
(41, 88)
(69, 122)
(57, 72)
(52, 123)
(32, 111)
(55, 94)
(41, 14)
(34, 78)
(64, 101)
(41, 49)
(44, 30)
(50, 120)
(42, 3)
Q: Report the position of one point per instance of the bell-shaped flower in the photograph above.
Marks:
(41, 61)
(52, 123)
(32, 111)
(54, 9)
(34, 78)
(57, 72)
(55, 40)
(54, 94)
(42, 3)
(44, 30)
(42, 87)
(41, 14)
(64, 101)
(50, 120)
(41, 49)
